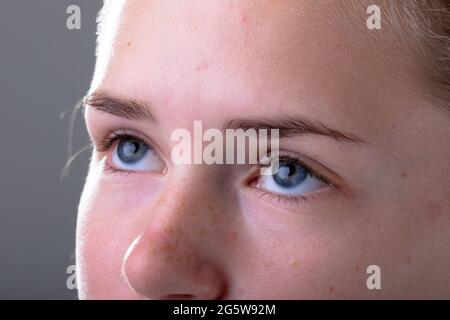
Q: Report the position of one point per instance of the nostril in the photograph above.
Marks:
(179, 297)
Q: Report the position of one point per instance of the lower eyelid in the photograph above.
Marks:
(295, 204)
(114, 176)
(275, 197)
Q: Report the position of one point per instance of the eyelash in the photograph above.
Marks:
(105, 144)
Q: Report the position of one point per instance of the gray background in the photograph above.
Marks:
(44, 70)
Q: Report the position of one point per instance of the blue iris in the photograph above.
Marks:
(290, 174)
(131, 151)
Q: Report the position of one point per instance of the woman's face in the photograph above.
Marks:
(370, 186)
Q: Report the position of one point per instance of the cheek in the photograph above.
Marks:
(103, 235)
(292, 266)
(101, 247)
(304, 255)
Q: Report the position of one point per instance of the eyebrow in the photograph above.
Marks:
(294, 126)
(121, 107)
(288, 126)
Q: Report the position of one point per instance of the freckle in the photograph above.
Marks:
(404, 174)
(338, 45)
(202, 233)
(433, 211)
(293, 262)
(330, 289)
(244, 18)
(171, 232)
(231, 237)
(356, 268)
(128, 43)
(202, 66)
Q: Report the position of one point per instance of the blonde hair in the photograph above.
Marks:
(427, 23)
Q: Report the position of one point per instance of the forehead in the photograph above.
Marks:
(239, 55)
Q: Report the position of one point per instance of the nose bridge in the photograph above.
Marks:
(191, 196)
(188, 208)
(173, 254)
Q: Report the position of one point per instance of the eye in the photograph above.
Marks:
(291, 179)
(131, 154)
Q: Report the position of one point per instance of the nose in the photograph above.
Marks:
(171, 258)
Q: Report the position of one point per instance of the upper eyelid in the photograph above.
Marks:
(313, 171)
(109, 125)
(107, 142)
(114, 135)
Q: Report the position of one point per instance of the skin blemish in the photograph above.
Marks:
(202, 66)
(293, 262)
(331, 289)
(128, 43)
(433, 211)
(233, 236)
(245, 22)
(339, 45)
(244, 18)
(404, 174)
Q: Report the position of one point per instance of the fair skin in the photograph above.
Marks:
(211, 231)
